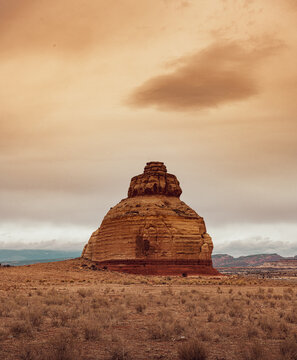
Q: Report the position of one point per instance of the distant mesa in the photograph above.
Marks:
(152, 231)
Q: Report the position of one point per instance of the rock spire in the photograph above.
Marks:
(154, 181)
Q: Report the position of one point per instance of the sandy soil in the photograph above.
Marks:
(65, 311)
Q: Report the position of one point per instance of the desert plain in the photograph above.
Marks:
(66, 310)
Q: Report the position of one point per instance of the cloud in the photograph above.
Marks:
(71, 26)
(43, 235)
(257, 245)
(223, 72)
(292, 4)
(43, 245)
(69, 149)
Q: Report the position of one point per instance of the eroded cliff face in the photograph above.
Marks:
(152, 225)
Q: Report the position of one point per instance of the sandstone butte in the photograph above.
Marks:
(152, 231)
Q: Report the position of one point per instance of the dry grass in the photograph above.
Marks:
(256, 351)
(91, 329)
(58, 311)
(192, 350)
(288, 349)
(62, 347)
(119, 352)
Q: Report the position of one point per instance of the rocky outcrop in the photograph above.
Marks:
(152, 231)
(154, 181)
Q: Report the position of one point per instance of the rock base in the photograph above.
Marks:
(159, 267)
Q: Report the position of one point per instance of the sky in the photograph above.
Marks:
(92, 90)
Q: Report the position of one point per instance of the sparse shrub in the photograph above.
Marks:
(288, 291)
(183, 300)
(272, 304)
(53, 299)
(234, 322)
(64, 317)
(210, 317)
(167, 291)
(3, 309)
(251, 332)
(85, 292)
(165, 330)
(73, 313)
(21, 300)
(118, 352)
(35, 317)
(118, 313)
(63, 347)
(158, 332)
(288, 349)
(29, 353)
(203, 335)
(203, 306)
(99, 302)
(92, 330)
(223, 331)
(291, 317)
(104, 318)
(235, 311)
(191, 307)
(267, 325)
(140, 308)
(18, 328)
(58, 316)
(254, 352)
(282, 305)
(165, 315)
(177, 328)
(192, 350)
(3, 333)
(283, 328)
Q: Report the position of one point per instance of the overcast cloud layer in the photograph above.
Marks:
(92, 91)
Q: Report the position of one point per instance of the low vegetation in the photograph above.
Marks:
(62, 313)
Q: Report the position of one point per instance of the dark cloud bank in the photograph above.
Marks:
(221, 73)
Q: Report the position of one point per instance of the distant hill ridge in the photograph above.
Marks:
(32, 256)
(225, 260)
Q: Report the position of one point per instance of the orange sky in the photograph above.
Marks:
(92, 90)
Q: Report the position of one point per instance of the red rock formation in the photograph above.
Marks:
(152, 231)
(154, 181)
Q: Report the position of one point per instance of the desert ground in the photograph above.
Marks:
(65, 310)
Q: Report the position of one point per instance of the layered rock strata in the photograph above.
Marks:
(152, 231)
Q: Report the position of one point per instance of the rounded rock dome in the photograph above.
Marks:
(152, 231)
